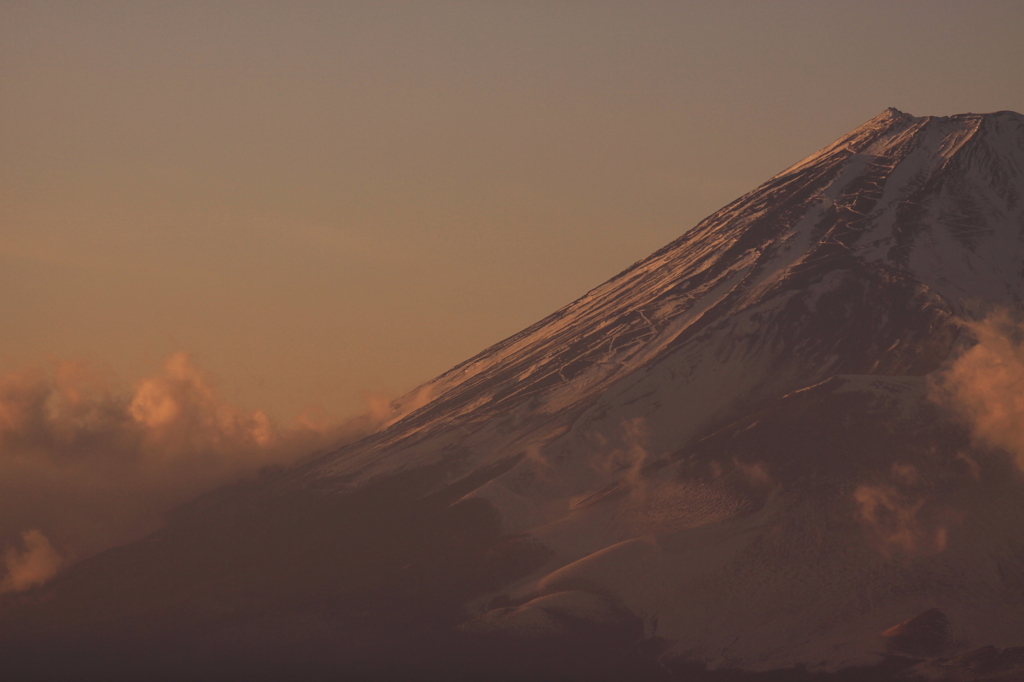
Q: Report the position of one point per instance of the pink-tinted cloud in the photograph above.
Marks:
(628, 454)
(985, 384)
(33, 565)
(898, 516)
(755, 473)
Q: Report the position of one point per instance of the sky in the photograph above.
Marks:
(319, 201)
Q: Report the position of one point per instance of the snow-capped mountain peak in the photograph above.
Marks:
(854, 260)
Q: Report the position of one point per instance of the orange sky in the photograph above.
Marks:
(316, 199)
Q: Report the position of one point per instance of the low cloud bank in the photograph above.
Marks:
(985, 384)
(85, 465)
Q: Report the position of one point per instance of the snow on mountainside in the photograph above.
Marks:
(856, 262)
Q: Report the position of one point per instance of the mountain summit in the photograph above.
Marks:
(730, 455)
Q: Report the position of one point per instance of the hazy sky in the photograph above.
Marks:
(314, 199)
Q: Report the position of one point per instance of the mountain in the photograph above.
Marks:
(852, 261)
(728, 456)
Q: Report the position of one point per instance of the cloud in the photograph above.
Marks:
(624, 456)
(535, 456)
(755, 473)
(899, 518)
(86, 465)
(394, 410)
(32, 566)
(984, 384)
(892, 519)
